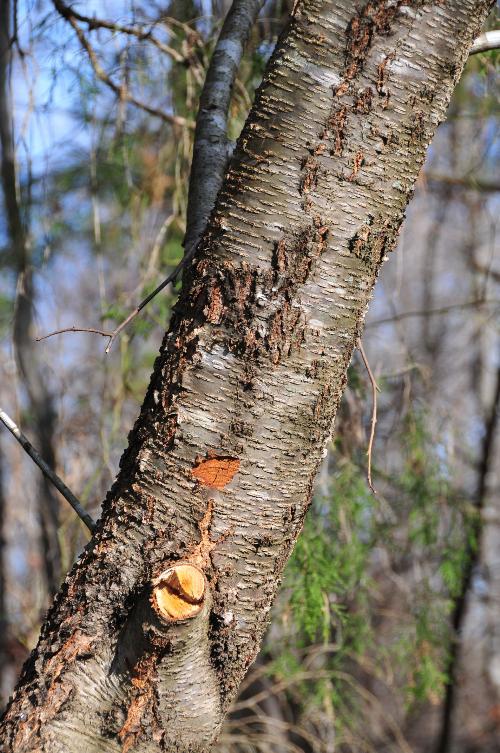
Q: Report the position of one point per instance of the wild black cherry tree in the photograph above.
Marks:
(157, 623)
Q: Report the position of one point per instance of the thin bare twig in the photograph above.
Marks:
(375, 389)
(47, 471)
(92, 330)
(112, 335)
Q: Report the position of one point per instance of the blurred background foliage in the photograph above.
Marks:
(386, 634)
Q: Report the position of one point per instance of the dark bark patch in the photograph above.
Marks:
(373, 18)
(240, 428)
(142, 683)
(358, 163)
(216, 473)
(374, 240)
(309, 180)
(215, 305)
(382, 77)
(426, 93)
(363, 101)
(293, 259)
(259, 309)
(360, 244)
(417, 128)
(284, 334)
(57, 693)
(335, 129)
(315, 369)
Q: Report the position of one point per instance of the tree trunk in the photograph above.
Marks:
(158, 622)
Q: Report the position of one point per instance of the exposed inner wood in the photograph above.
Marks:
(216, 472)
(178, 592)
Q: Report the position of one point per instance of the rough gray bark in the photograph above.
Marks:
(31, 374)
(211, 149)
(222, 459)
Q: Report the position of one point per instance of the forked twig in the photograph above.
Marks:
(375, 389)
(112, 335)
(47, 471)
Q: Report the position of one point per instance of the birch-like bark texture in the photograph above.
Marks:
(221, 462)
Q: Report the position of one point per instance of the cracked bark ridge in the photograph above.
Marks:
(251, 371)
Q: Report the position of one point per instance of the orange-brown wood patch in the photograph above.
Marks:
(216, 472)
(179, 592)
(142, 696)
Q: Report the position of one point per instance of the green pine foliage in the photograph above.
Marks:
(336, 596)
(329, 563)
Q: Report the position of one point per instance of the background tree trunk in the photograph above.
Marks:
(222, 459)
(39, 400)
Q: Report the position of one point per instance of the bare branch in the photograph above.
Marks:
(210, 146)
(434, 312)
(94, 23)
(47, 471)
(375, 389)
(489, 40)
(473, 183)
(210, 149)
(103, 76)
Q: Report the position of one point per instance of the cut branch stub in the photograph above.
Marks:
(179, 592)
